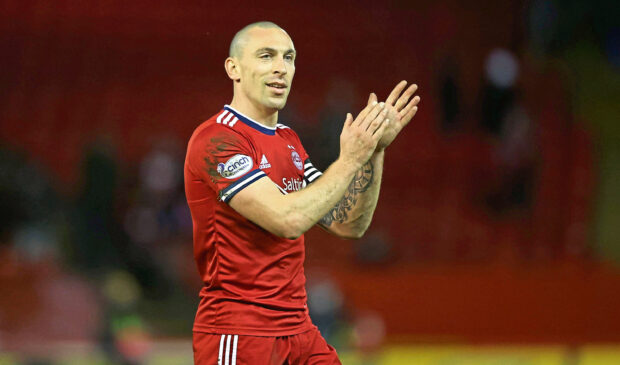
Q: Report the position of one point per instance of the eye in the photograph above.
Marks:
(265, 56)
(289, 57)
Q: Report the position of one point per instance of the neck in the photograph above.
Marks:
(265, 116)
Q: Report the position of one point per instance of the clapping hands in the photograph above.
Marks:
(401, 109)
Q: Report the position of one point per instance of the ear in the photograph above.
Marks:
(232, 69)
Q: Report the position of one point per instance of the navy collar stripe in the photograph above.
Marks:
(250, 123)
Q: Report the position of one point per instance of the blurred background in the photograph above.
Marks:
(497, 235)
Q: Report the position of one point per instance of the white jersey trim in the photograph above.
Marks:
(226, 118)
(249, 178)
(248, 118)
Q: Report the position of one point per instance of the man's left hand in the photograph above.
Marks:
(400, 111)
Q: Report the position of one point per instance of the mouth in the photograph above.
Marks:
(277, 87)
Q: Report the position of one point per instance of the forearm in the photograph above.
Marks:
(352, 215)
(303, 209)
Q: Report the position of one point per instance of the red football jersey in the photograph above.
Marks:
(253, 280)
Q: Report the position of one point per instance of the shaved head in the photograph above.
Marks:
(240, 39)
(261, 65)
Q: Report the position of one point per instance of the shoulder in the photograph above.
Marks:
(217, 135)
(283, 128)
(286, 131)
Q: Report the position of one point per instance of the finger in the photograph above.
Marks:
(416, 100)
(364, 112)
(404, 98)
(349, 120)
(379, 131)
(411, 105)
(397, 90)
(378, 121)
(374, 112)
(407, 117)
(372, 98)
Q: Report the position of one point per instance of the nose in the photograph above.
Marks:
(279, 66)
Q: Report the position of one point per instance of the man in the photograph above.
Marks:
(253, 192)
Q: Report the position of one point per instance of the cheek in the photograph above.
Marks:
(257, 78)
(253, 81)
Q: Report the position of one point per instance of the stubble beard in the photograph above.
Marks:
(274, 102)
(278, 105)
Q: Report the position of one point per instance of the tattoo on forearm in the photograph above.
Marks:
(361, 181)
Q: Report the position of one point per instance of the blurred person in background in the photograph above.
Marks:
(505, 118)
(248, 230)
(449, 95)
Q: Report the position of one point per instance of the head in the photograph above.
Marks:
(261, 64)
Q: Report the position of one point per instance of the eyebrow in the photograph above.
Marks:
(273, 50)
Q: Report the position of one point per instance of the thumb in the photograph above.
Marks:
(372, 97)
(348, 120)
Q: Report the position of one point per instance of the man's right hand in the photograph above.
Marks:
(359, 137)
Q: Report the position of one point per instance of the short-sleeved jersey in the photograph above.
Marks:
(253, 280)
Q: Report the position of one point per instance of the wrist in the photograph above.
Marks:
(347, 166)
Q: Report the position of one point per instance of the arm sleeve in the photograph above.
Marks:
(225, 161)
(311, 173)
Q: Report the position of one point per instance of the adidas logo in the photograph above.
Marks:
(264, 164)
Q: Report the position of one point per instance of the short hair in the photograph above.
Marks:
(238, 41)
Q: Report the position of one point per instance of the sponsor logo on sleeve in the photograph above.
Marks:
(297, 160)
(235, 166)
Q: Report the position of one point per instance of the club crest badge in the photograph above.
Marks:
(297, 160)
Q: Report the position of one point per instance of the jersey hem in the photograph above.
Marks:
(263, 332)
